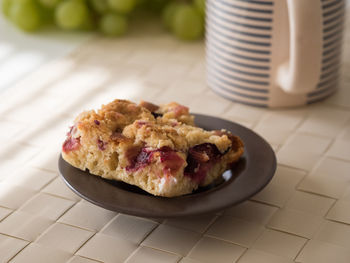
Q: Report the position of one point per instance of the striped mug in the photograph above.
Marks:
(274, 53)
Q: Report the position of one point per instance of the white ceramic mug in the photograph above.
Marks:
(274, 53)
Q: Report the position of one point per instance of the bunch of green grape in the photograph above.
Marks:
(185, 19)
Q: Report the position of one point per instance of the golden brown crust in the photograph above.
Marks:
(128, 142)
(149, 106)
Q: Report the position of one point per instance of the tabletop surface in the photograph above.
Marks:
(303, 215)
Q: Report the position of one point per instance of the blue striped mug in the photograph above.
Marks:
(274, 53)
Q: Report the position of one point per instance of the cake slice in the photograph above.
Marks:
(156, 148)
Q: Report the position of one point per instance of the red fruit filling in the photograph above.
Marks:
(140, 160)
(141, 123)
(97, 122)
(180, 110)
(71, 130)
(71, 144)
(200, 160)
(101, 145)
(172, 162)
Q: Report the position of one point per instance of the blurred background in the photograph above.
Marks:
(36, 31)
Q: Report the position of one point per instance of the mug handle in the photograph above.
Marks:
(301, 72)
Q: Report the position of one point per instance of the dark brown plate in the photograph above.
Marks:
(250, 175)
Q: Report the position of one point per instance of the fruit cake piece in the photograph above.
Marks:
(172, 110)
(163, 156)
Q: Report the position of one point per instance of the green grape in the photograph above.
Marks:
(200, 5)
(141, 2)
(187, 23)
(5, 6)
(122, 6)
(156, 6)
(141, 5)
(113, 24)
(71, 14)
(168, 14)
(25, 14)
(100, 6)
(46, 15)
(88, 24)
(49, 3)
